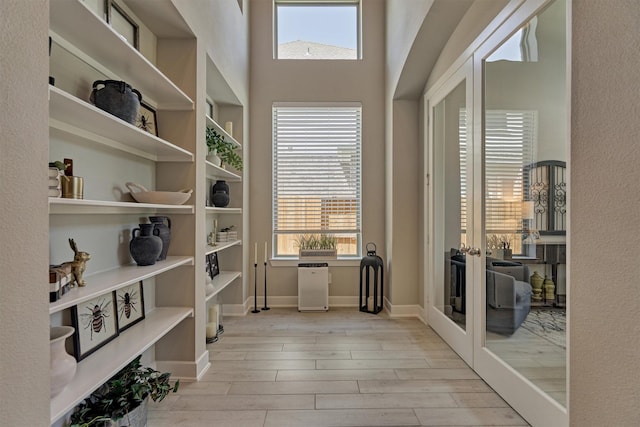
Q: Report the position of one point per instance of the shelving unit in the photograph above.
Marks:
(74, 22)
(212, 209)
(221, 281)
(72, 117)
(222, 246)
(99, 284)
(99, 367)
(214, 172)
(59, 206)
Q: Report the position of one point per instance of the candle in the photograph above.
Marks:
(212, 330)
(265, 252)
(255, 254)
(228, 126)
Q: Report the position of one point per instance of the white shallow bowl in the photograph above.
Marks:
(142, 195)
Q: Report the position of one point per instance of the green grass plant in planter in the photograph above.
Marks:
(224, 149)
(122, 394)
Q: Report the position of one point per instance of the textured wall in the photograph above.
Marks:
(24, 252)
(604, 308)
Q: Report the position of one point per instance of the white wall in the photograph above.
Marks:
(317, 80)
(24, 308)
(604, 310)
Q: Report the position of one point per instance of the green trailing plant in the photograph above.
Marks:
(316, 241)
(225, 150)
(123, 393)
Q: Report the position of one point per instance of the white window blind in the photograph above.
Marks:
(510, 138)
(317, 175)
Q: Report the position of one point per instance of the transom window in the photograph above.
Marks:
(317, 29)
(316, 176)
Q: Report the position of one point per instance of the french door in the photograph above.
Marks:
(490, 122)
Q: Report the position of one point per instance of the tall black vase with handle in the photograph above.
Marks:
(163, 231)
(145, 246)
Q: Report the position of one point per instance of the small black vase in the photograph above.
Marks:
(145, 246)
(220, 194)
(163, 231)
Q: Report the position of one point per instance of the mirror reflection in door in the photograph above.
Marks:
(525, 193)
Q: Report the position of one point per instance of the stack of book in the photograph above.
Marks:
(59, 281)
(55, 189)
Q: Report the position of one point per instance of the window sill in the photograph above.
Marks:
(293, 262)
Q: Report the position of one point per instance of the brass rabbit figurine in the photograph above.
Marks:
(78, 265)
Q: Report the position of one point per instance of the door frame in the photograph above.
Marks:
(460, 340)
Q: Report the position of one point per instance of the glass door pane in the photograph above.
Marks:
(525, 193)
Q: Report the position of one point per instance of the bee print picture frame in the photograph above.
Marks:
(95, 322)
(130, 305)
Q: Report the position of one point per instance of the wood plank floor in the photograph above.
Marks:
(283, 368)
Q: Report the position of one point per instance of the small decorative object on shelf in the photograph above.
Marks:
(59, 280)
(227, 235)
(145, 245)
(63, 365)
(224, 149)
(78, 265)
(117, 98)
(130, 305)
(56, 172)
(549, 290)
(95, 322)
(147, 119)
(141, 195)
(212, 265)
(220, 194)
(163, 231)
(124, 397)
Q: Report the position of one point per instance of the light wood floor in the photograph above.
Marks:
(341, 368)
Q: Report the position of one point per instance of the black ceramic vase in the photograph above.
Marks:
(163, 231)
(145, 246)
(117, 98)
(220, 194)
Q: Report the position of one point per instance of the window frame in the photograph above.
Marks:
(274, 163)
(318, 3)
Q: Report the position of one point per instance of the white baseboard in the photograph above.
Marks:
(398, 311)
(188, 371)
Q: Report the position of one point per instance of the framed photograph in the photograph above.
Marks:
(122, 23)
(147, 119)
(95, 322)
(130, 305)
(212, 265)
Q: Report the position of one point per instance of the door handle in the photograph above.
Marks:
(464, 249)
(474, 251)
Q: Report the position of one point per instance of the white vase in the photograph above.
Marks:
(213, 158)
(63, 365)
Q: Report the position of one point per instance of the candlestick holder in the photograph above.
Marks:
(265, 308)
(255, 288)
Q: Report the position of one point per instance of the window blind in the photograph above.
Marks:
(316, 170)
(509, 145)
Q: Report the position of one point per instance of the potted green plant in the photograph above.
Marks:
(224, 150)
(317, 246)
(122, 400)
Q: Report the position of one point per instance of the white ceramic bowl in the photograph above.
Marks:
(142, 195)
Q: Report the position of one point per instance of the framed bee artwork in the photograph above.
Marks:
(130, 305)
(95, 322)
(147, 119)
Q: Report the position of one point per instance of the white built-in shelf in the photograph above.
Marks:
(78, 25)
(214, 172)
(212, 210)
(100, 283)
(221, 281)
(72, 117)
(102, 365)
(222, 246)
(58, 205)
(213, 124)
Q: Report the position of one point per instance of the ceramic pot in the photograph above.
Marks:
(549, 289)
(220, 194)
(536, 285)
(117, 98)
(145, 246)
(163, 231)
(214, 158)
(63, 365)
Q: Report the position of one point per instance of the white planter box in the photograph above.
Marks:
(318, 254)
